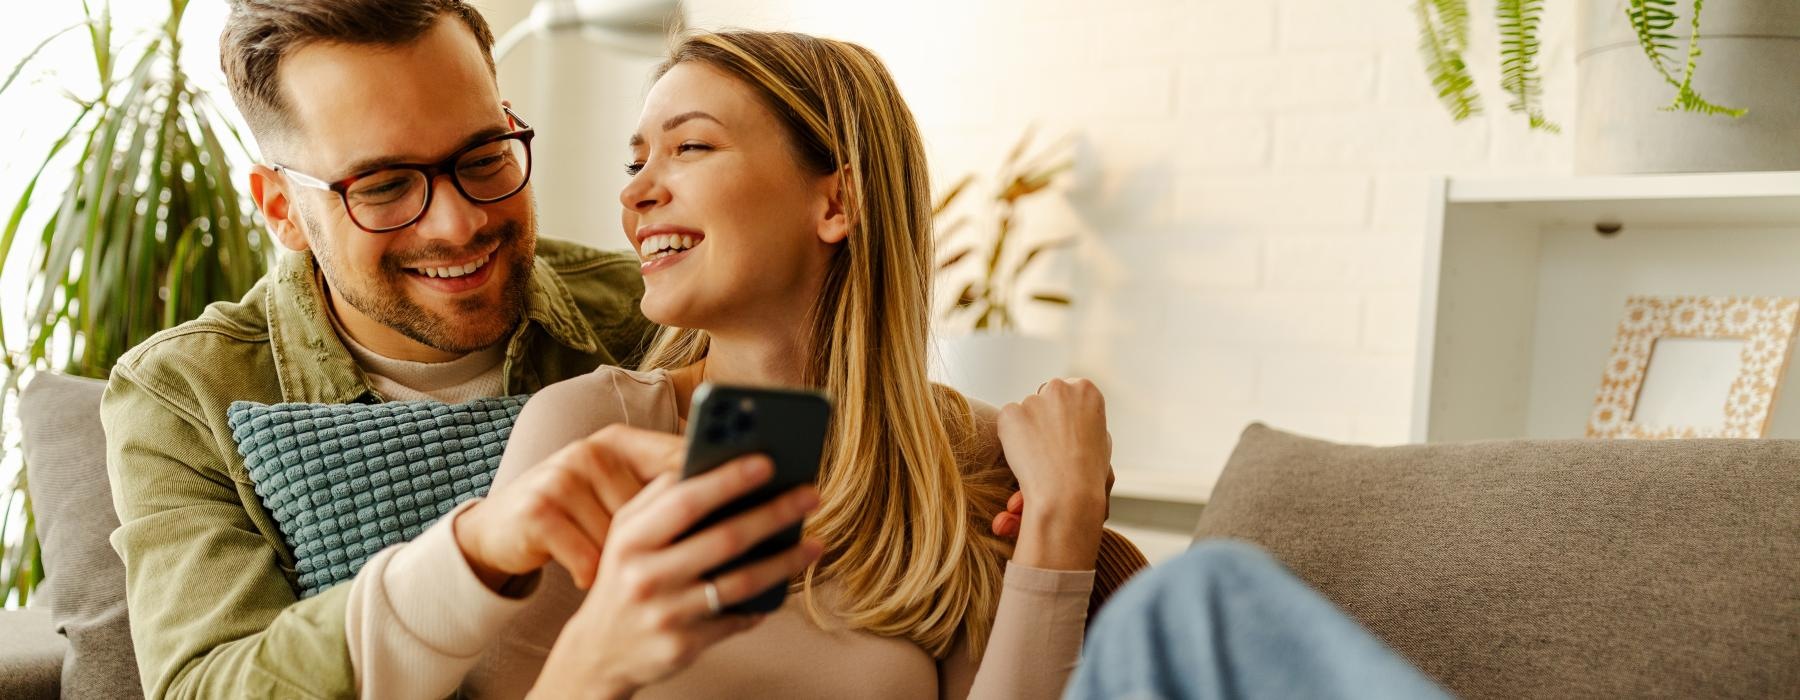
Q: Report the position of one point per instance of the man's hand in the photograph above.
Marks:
(563, 508)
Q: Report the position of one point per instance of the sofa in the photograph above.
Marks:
(75, 639)
(1543, 569)
(1504, 569)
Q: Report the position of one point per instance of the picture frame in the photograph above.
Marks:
(1695, 367)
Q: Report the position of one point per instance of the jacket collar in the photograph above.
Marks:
(314, 366)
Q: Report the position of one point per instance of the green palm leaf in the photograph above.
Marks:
(20, 66)
(150, 228)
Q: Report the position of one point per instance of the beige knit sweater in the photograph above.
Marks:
(421, 625)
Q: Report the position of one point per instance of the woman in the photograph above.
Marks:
(780, 206)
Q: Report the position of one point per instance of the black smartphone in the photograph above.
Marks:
(726, 422)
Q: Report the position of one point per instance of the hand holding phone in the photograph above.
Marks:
(788, 426)
(653, 608)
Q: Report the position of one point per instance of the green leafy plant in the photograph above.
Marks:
(1518, 59)
(149, 230)
(1444, 37)
(986, 302)
(1652, 20)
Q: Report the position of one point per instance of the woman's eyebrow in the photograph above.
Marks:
(675, 121)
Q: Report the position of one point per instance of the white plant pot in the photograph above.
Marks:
(998, 368)
(1750, 59)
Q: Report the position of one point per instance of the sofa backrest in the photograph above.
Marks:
(1537, 569)
(84, 579)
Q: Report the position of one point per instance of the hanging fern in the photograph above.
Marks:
(1443, 36)
(1654, 21)
(1518, 59)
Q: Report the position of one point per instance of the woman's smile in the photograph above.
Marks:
(663, 245)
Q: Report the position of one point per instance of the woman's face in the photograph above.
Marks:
(731, 229)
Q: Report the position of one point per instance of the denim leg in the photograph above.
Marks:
(1225, 620)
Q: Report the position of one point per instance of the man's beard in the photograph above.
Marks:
(476, 324)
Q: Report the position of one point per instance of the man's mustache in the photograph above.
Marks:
(504, 232)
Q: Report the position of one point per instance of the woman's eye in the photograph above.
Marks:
(633, 169)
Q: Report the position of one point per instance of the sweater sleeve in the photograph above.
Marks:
(418, 618)
(1035, 642)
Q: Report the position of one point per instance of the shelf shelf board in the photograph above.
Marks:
(1480, 190)
(1661, 201)
(1160, 485)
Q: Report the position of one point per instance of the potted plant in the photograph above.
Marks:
(981, 351)
(148, 230)
(1639, 106)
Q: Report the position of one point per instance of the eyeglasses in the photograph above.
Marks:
(394, 197)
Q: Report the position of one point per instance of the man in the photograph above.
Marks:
(397, 177)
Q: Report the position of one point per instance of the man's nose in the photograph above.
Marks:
(451, 217)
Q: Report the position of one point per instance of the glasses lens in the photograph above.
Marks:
(386, 198)
(495, 170)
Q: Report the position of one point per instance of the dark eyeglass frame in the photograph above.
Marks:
(431, 171)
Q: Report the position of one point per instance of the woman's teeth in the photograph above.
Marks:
(457, 271)
(666, 245)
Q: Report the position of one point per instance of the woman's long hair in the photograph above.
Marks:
(904, 526)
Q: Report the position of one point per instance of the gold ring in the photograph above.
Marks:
(712, 599)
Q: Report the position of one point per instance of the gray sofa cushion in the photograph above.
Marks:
(31, 655)
(84, 581)
(1533, 569)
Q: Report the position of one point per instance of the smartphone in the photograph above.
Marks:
(789, 426)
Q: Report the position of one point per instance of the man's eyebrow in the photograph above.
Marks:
(378, 162)
(675, 121)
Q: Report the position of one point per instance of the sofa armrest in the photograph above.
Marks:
(31, 655)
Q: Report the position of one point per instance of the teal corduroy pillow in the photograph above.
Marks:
(345, 481)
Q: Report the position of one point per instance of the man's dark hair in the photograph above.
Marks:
(260, 33)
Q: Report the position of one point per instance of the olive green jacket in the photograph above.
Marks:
(209, 581)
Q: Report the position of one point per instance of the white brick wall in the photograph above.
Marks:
(1251, 193)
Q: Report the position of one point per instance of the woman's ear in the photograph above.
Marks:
(271, 197)
(840, 216)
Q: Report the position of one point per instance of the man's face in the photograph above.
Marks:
(456, 280)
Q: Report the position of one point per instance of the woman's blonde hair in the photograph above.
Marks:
(904, 527)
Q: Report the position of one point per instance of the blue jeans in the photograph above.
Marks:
(1225, 620)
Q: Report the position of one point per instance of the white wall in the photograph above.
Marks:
(1251, 192)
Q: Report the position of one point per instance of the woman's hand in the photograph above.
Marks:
(1058, 447)
(562, 508)
(649, 613)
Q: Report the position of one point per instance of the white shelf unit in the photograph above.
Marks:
(1522, 294)
(1160, 485)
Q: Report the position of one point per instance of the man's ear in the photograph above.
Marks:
(840, 206)
(269, 190)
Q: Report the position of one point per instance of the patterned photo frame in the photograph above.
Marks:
(1765, 324)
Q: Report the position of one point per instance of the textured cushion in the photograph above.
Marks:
(84, 582)
(31, 656)
(346, 481)
(1533, 569)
